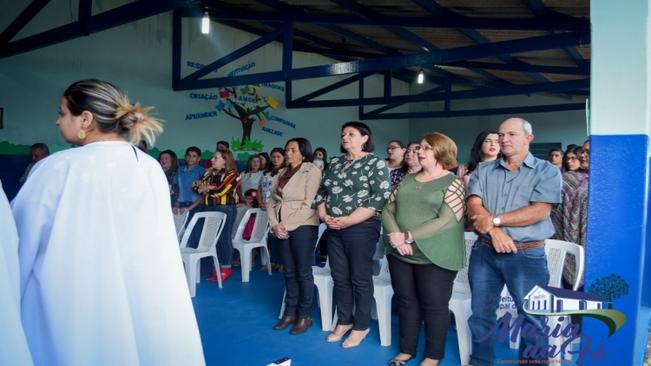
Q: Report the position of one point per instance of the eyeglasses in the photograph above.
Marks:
(419, 148)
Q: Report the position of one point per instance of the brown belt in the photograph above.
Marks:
(519, 245)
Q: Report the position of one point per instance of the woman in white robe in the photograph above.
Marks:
(101, 275)
(13, 347)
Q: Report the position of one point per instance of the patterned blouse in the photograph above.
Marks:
(224, 192)
(362, 183)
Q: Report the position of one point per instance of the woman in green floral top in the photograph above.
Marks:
(353, 190)
(423, 223)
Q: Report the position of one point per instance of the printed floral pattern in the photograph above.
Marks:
(345, 187)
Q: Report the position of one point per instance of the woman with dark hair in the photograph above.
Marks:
(395, 154)
(250, 179)
(92, 223)
(320, 158)
(264, 161)
(217, 188)
(410, 165)
(423, 223)
(485, 148)
(570, 217)
(295, 222)
(571, 162)
(277, 162)
(170, 163)
(353, 191)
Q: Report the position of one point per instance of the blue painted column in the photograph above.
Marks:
(618, 207)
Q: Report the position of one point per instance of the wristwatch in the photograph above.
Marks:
(407, 239)
(497, 221)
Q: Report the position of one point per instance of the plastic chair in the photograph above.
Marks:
(213, 224)
(460, 304)
(556, 252)
(382, 293)
(258, 240)
(179, 223)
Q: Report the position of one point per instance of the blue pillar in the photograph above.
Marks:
(617, 240)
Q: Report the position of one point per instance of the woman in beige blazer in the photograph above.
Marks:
(295, 223)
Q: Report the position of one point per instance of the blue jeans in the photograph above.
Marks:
(488, 272)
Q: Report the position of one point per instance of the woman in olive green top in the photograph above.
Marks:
(423, 221)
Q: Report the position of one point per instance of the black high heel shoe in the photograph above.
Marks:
(396, 362)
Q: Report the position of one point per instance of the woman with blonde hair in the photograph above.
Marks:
(423, 226)
(93, 221)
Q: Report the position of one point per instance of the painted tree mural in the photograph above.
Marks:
(609, 288)
(246, 105)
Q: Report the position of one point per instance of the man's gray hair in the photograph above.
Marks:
(526, 127)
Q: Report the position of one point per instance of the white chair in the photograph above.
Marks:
(460, 304)
(382, 293)
(213, 224)
(179, 223)
(556, 252)
(258, 240)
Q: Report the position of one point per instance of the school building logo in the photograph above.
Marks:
(552, 301)
(554, 308)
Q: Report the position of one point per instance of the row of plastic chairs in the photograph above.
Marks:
(212, 227)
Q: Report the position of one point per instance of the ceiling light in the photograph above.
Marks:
(205, 23)
(421, 77)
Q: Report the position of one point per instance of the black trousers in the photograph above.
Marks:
(423, 292)
(297, 253)
(351, 260)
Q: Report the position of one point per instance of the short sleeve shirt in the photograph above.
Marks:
(501, 191)
(362, 183)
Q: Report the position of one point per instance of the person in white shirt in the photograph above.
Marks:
(13, 346)
(101, 275)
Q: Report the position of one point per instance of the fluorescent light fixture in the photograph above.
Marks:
(205, 23)
(421, 77)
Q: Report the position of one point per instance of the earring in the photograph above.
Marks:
(81, 134)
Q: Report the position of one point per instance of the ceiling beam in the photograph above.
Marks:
(477, 112)
(21, 20)
(109, 19)
(433, 7)
(411, 37)
(431, 96)
(524, 67)
(455, 21)
(400, 62)
(539, 9)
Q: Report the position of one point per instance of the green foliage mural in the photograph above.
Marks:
(247, 105)
(609, 288)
